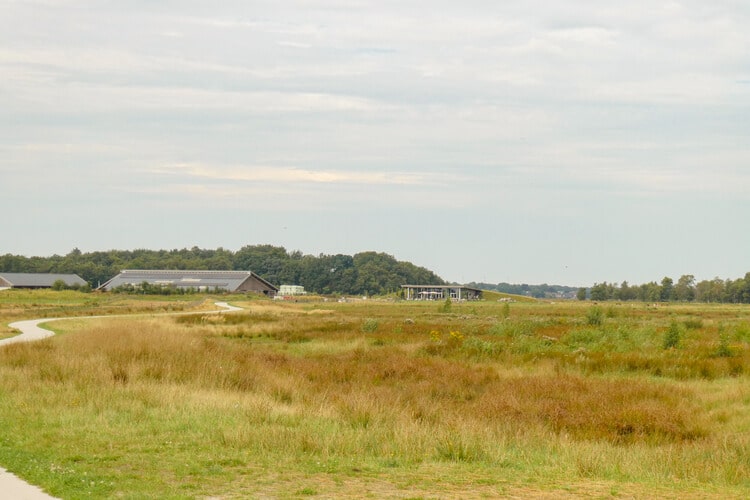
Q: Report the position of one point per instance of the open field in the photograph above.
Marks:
(378, 399)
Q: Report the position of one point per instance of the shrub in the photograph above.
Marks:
(446, 306)
(59, 285)
(723, 351)
(672, 337)
(595, 316)
(369, 325)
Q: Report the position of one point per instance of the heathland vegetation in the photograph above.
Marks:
(378, 398)
(366, 273)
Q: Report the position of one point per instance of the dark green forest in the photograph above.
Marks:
(365, 273)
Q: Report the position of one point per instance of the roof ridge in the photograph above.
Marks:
(212, 271)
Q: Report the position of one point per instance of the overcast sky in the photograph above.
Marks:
(523, 141)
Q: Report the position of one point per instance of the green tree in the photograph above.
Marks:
(667, 288)
(684, 290)
(745, 289)
(626, 292)
(649, 292)
(602, 291)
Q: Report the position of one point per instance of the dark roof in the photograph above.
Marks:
(225, 280)
(40, 280)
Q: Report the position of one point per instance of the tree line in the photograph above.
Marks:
(365, 273)
(686, 289)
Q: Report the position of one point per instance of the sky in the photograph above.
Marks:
(518, 141)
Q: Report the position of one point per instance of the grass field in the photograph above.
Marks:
(378, 399)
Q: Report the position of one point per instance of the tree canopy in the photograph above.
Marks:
(365, 273)
(685, 290)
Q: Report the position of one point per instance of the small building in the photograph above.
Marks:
(39, 280)
(203, 281)
(441, 292)
(292, 290)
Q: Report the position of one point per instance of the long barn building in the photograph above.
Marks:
(206, 281)
(39, 280)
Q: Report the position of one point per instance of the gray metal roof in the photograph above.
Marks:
(40, 280)
(225, 280)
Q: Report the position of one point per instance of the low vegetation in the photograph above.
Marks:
(380, 399)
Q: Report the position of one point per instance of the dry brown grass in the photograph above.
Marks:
(285, 387)
(366, 382)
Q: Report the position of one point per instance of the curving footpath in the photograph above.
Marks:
(11, 486)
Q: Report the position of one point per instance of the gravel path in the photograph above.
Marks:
(30, 330)
(11, 486)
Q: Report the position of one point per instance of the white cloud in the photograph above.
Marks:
(90, 97)
(272, 174)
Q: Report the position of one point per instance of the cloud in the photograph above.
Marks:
(75, 98)
(270, 174)
(294, 45)
(290, 188)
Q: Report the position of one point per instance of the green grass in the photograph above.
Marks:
(380, 399)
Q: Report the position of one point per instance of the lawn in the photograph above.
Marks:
(378, 399)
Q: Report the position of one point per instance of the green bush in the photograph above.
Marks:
(595, 316)
(723, 351)
(672, 337)
(369, 325)
(446, 306)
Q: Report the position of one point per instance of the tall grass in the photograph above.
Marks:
(200, 405)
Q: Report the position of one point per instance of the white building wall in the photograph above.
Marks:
(292, 290)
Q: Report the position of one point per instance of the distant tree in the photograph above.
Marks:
(602, 291)
(626, 292)
(260, 259)
(667, 288)
(649, 292)
(684, 290)
(581, 293)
